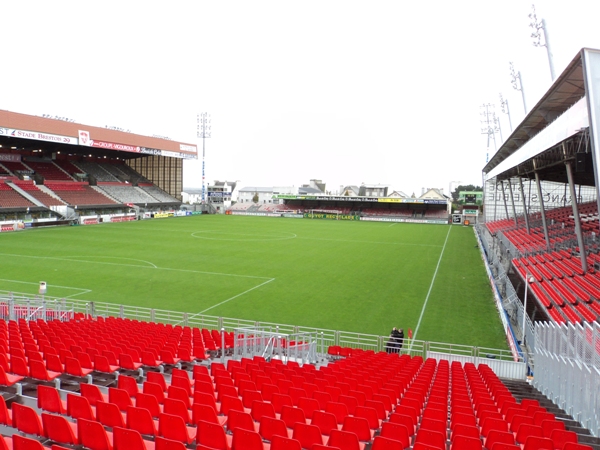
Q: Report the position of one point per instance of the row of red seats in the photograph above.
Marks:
(560, 285)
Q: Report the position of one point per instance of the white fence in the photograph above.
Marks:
(567, 369)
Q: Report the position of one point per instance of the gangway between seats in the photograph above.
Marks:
(261, 341)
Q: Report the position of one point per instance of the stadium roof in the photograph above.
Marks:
(562, 115)
(31, 132)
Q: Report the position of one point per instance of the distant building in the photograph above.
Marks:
(349, 191)
(262, 195)
(397, 194)
(220, 193)
(191, 195)
(316, 185)
(433, 194)
(373, 190)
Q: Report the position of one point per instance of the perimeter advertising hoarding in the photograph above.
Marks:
(360, 199)
(86, 140)
(37, 136)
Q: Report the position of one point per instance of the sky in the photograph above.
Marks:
(344, 91)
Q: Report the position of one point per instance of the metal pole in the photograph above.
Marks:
(524, 204)
(504, 198)
(512, 202)
(522, 92)
(548, 50)
(525, 308)
(223, 345)
(542, 209)
(496, 197)
(576, 218)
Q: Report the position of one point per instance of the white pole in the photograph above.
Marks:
(525, 309)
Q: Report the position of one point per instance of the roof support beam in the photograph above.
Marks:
(525, 212)
(542, 209)
(512, 202)
(504, 198)
(576, 218)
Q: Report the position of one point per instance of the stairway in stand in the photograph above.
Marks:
(522, 390)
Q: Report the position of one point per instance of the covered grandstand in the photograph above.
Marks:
(541, 236)
(59, 171)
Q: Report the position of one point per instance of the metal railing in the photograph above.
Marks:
(568, 369)
(321, 339)
(14, 307)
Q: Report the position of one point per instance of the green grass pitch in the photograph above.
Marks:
(355, 276)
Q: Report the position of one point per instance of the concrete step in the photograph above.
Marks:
(523, 390)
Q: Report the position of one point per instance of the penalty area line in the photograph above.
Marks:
(429, 291)
(234, 297)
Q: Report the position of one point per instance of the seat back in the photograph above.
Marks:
(128, 384)
(561, 437)
(396, 431)
(126, 439)
(179, 394)
(158, 378)
(539, 443)
(307, 435)
(325, 421)
(339, 410)
(23, 443)
(149, 402)
(290, 415)
(344, 440)
(162, 443)
(384, 443)
(460, 442)
(370, 414)
(359, 426)
(279, 442)
(92, 393)
(140, 420)
(78, 407)
(271, 426)
(178, 408)
(280, 400)
(173, 427)
(154, 389)
(58, 429)
(212, 435)
(49, 399)
(239, 419)
(93, 435)
(5, 417)
(119, 397)
(183, 382)
(109, 415)
(26, 420)
(246, 440)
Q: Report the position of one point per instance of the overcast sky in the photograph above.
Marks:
(380, 92)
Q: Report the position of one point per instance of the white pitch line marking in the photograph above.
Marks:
(53, 258)
(234, 297)
(429, 291)
(82, 291)
(370, 242)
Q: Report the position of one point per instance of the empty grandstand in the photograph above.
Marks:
(57, 171)
(541, 232)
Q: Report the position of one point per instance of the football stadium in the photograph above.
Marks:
(312, 322)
